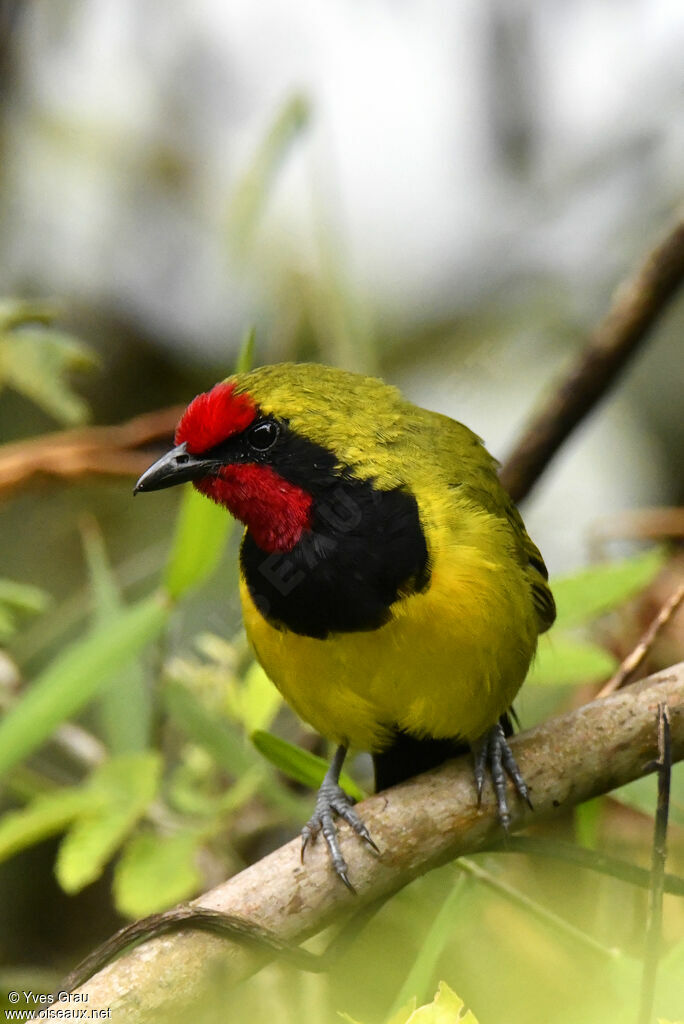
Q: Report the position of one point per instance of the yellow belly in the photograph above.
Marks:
(447, 664)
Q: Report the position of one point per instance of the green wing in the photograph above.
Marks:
(473, 468)
(537, 573)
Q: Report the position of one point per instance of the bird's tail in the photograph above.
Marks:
(410, 755)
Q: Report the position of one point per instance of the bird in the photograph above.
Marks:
(389, 588)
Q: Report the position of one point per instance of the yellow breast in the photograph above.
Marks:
(447, 664)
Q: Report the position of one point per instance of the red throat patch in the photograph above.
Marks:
(276, 512)
(213, 417)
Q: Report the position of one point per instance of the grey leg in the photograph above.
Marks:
(333, 802)
(492, 751)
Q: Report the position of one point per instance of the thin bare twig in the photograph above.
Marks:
(541, 912)
(634, 658)
(89, 450)
(592, 860)
(653, 938)
(637, 305)
(230, 927)
(635, 524)
(424, 822)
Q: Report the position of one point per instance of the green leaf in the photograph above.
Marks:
(105, 592)
(642, 794)
(124, 709)
(8, 624)
(561, 660)
(75, 676)
(400, 1017)
(257, 700)
(245, 359)
(155, 872)
(588, 818)
(422, 971)
(126, 786)
(403, 1014)
(218, 650)
(187, 795)
(45, 816)
(213, 734)
(202, 529)
(670, 974)
(24, 596)
(585, 595)
(445, 1008)
(299, 764)
(15, 312)
(36, 361)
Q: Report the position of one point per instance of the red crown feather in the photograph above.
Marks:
(214, 416)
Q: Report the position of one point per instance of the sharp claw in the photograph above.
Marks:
(352, 819)
(309, 834)
(369, 842)
(363, 833)
(345, 878)
(492, 750)
(480, 753)
(333, 801)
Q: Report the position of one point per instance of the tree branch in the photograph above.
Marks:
(423, 823)
(109, 451)
(637, 305)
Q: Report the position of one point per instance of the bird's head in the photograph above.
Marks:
(271, 444)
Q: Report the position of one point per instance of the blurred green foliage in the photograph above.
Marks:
(567, 655)
(445, 1008)
(17, 599)
(36, 358)
(299, 764)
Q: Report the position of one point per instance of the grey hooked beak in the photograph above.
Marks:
(176, 467)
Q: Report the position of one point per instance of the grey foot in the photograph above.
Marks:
(333, 802)
(493, 752)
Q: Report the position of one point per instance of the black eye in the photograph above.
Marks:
(263, 436)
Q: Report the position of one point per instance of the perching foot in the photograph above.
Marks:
(492, 751)
(332, 802)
